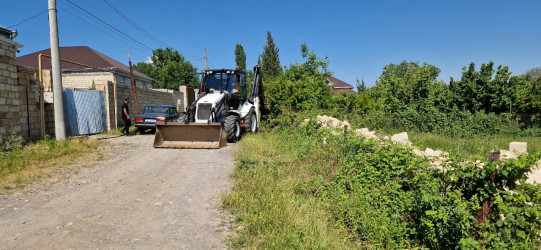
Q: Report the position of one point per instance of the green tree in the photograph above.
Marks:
(487, 90)
(533, 74)
(169, 69)
(407, 84)
(361, 86)
(270, 61)
(240, 57)
(303, 85)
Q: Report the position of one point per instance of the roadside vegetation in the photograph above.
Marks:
(21, 163)
(300, 186)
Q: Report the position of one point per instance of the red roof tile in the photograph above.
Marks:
(80, 54)
(339, 85)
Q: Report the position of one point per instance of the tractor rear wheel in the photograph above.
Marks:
(232, 128)
(252, 121)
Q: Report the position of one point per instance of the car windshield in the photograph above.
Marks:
(154, 109)
(213, 82)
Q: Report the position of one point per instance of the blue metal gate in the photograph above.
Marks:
(85, 111)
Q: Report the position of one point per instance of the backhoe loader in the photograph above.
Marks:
(225, 108)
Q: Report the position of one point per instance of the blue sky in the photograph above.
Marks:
(360, 37)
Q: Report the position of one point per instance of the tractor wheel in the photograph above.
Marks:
(252, 122)
(232, 128)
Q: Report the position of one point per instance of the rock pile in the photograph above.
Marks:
(436, 157)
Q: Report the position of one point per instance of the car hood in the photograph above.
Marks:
(151, 115)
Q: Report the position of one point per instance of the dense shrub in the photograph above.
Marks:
(302, 86)
(386, 196)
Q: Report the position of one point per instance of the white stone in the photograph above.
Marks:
(432, 153)
(505, 154)
(535, 175)
(518, 147)
(365, 132)
(401, 138)
(418, 152)
(331, 122)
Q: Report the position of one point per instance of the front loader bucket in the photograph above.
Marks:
(181, 135)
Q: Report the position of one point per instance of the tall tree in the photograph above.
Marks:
(533, 74)
(406, 83)
(169, 69)
(270, 64)
(487, 90)
(361, 86)
(240, 57)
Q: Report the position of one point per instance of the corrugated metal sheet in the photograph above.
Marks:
(86, 112)
(70, 113)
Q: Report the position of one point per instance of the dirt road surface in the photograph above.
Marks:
(137, 197)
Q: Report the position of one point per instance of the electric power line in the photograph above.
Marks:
(98, 28)
(111, 32)
(151, 37)
(136, 26)
(124, 34)
(28, 19)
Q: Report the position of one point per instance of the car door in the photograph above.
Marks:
(172, 113)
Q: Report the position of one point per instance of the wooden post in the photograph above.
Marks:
(133, 86)
(115, 100)
(206, 62)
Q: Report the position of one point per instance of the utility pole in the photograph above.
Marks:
(133, 86)
(206, 63)
(60, 129)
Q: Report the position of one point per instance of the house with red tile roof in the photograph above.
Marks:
(339, 85)
(92, 68)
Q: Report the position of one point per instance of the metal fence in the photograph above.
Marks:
(85, 111)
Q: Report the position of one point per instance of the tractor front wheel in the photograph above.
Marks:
(232, 128)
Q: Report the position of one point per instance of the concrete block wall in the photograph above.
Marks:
(188, 97)
(144, 96)
(29, 107)
(87, 79)
(9, 89)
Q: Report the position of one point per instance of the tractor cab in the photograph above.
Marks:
(223, 80)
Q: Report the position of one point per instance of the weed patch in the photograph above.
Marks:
(39, 159)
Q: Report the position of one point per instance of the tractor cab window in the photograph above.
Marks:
(213, 82)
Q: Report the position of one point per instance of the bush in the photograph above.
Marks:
(11, 142)
(389, 197)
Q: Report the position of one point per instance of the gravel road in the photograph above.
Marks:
(137, 197)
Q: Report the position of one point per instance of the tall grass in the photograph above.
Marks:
(23, 165)
(473, 146)
(269, 210)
